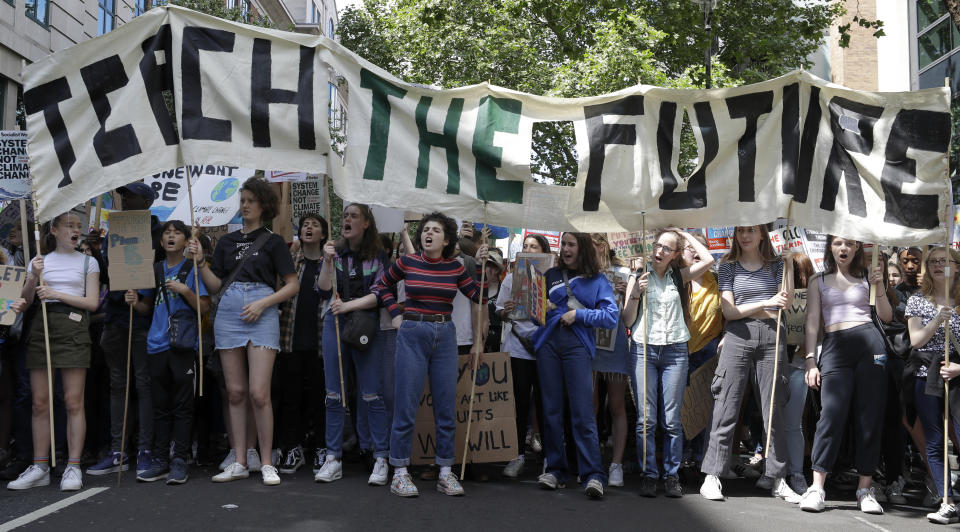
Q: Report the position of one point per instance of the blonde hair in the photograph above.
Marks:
(609, 259)
(926, 279)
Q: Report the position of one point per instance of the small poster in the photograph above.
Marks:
(307, 196)
(11, 284)
(216, 201)
(14, 165)
(529, 286)
(130, 248)
(171, 186)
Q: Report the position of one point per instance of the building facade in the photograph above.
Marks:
(934, 46)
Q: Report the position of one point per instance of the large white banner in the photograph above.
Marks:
(871, 166)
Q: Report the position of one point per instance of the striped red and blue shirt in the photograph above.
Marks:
(430, 284)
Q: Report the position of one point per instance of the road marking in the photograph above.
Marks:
(862, 520)
(47, 510)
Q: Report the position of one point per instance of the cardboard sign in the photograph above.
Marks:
(698, 398)
(130, 247)
(493, 431)
(14, 165)
(216, 201)
(630, 245)
(170, 186)
(11, 284)
(795, 317)
(529, 286)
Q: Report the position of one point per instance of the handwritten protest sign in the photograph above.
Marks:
(698, 398)
(216, 200)
(493, 431)
(14, 165)
(629, 245)
(795, 317)
(11, 283)
(130, 247)
(170, 186)
(529, 286)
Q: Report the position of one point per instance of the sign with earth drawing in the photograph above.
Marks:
(216, 200)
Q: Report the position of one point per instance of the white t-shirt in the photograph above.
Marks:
(524, 328)
(462, 316)
(64, 272)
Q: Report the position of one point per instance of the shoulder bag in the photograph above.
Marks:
(359, 326)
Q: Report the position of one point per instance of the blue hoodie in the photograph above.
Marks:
(594, 293)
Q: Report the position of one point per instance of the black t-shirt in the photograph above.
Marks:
(305, 317)
(270, 261)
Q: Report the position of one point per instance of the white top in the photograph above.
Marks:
(462, 316)
(524, 328)
(64, 272)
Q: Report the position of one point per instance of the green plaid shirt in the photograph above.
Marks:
(288, 310)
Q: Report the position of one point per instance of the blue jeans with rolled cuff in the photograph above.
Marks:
(666, 370)
(423, 348)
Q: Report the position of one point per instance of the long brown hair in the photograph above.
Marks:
(370, 243)
(802, 270)
(766, 248)
(858, 266)
(608, 259)
(588, 264)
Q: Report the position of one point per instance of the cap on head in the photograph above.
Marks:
(138, 189)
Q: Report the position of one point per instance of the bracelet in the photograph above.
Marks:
(808, 357)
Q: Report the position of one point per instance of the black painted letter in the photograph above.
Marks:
(599, 135)
(750, 107)
(852, 125)
(696, 195)
(46, 98)
(194, 124)
(157, 78)
(102, 78)
(262, 94)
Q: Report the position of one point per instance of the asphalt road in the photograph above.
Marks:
(349, 504)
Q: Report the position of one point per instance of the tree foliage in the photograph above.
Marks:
(574, 48)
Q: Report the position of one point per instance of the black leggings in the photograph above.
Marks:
(525, 383)
(851, 369)
(172, 377)
(298, 374)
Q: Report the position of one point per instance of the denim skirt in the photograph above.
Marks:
(231, 332)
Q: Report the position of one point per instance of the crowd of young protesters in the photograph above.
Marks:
(321, 349)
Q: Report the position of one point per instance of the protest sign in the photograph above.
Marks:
(10, 217)
(216, 201)
(493, 431)
(698, 398)
(629, 245)
(170, 186)
(553, 238)
(795, 317)
(130, 247)
(11, 284)
(388, 220)
(786, 238)
(276, 176)
(529, 286)
(14, 165)
(719, 240)
(816, 245)
(307, 196)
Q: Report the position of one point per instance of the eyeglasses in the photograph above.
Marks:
(658, 245)
(941, 262)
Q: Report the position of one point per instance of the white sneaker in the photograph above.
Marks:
(332, 470)
(33, 477)
(711, 489)
(813, 500)
(270, 476)
(945, 515)
(868, 502)
(515, 468)
(253, 460)
(72, 479)
(782, 490)
(234, 471)
(230, 458)
(379, 475)
(616, 475)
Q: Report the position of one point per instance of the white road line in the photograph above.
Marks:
(862, 520)
(47, 510)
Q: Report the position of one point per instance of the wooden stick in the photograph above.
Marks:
(776, 353)
(333, 285)
(476, 354)
(46, 326)
(874, 261)
(946, 329)
(646, 263)
(126, 395)
(196, 288)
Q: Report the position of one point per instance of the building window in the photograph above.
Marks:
(331, 100)
(139, 7)
(313, 15)
(38, 10)
(3, 98)
(937, 45)
(231, 4)
(928, 11)
(106, 13)
(11, 2)
(330, 28)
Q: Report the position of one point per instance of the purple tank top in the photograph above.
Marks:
(852, 304)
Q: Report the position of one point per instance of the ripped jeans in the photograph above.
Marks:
(369, 384)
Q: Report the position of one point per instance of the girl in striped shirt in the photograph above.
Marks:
(427, 343)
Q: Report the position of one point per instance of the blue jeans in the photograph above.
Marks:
(389, 347)
(369, 387)
(793, 418)
(424, 347)
(565, 370)
(666, 369)
(930, 412)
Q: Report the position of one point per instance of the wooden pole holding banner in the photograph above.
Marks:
(476, 354)
(874, 261)
(776, 351)
(196, 288)
(126, 394)
(946, 328)
(46, 325)
(646, 263)
(333, 286)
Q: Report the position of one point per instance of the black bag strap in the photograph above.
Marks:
(257, 244)
(162, 286)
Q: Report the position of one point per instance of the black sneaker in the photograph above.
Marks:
(157, 470)
(292, 460)
(319, 456)
(178, 472)
(648, 487)
(672, 487)
(13, 469)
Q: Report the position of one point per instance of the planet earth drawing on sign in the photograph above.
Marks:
(483, 374)
(225, 189)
